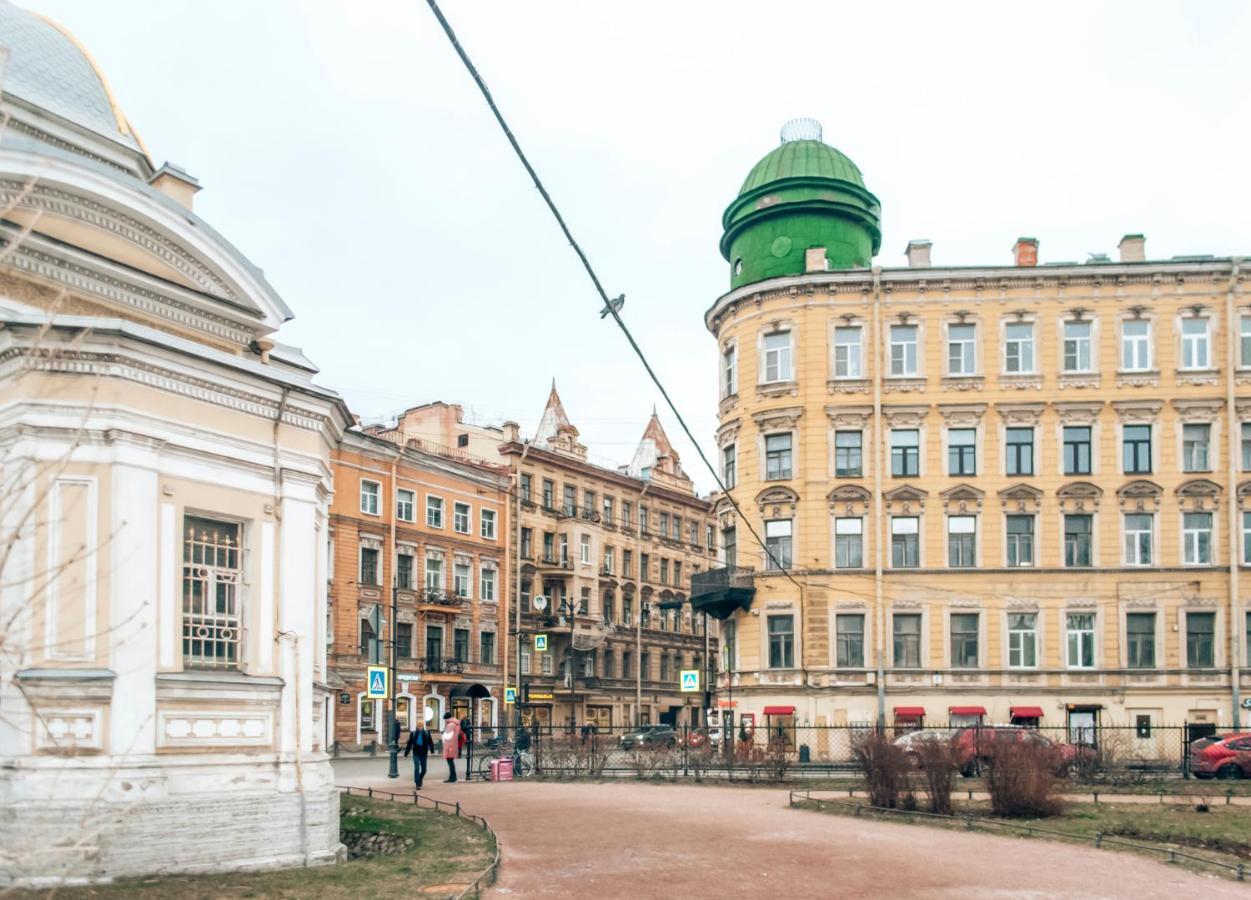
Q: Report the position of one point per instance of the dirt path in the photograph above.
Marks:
(687, 841)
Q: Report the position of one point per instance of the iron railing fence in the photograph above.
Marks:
(1113, 754)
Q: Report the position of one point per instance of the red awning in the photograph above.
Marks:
(966, 710)
(1027, 712)
(909, 712)
(779, 710)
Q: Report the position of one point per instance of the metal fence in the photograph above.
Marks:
(1100, 754)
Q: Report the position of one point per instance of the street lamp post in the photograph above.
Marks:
(393, 730)
(568, 607)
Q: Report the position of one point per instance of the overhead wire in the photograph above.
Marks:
(611, 307)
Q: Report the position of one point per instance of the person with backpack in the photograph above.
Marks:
(451, 745)
(420, 743)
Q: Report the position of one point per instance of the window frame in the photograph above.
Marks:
(780, 359)
(848, 354)
(1195, 345)
(1013, 454)
(845, 641)
(844, 543)
(1138, 451)
(910, 540)
(976, 639)
(967, 354)
(376, 497)
(774, 470)
(1082, 625)
(908, 456)
(434, 511)
(401, 503)
(843, 454)
(1025, 347)
(1018, 646)
(1080, 345)
(1136, 350)
(1013, 541)
(1201, 537)
(486, 516)
(964, 541)
(909, 361)
(461, 513)
(1140, 549)
(962, 457)
(784, 645)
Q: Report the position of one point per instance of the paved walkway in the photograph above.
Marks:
(641, 840)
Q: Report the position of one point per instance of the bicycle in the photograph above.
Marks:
(523, 761)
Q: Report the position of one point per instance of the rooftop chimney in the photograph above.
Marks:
(1133, 248)
(815, 260)
(918, 253)
(1025, 251)
(512, 431)
(175, 183)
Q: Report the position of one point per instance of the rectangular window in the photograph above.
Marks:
(729, 466)
(371, 493)
(549, 494)
(1135, 345)
(460, 518)
(608, 560)
(664, 524)
(781, 642)
(1077, 356)
(1246, 446)
(905, 452)
(405, 502)
(627, 563)
(461, 574)
(569, 500)
(589, 502)
(906, 629)
(404, 640)
(847, 352)
(369, 641)
(1077, 455)
(585, 549)
(212, 571)
(1022, 640)
(961, 541)
(903, 350)
(1197, 538)
(849, 631)
(1138, 539)
(664, 571)
(627, 664)
(1195, 344)
(1136, 449)
(1200, 640)
(964, 639)
(527, 486)
(729, 545)
(434, 512)
(404, 571)
(849, 543)
(434, 573)
(778, 543)
(369, 566)
(1140, 640)
(627, 513)
(486, 525)
(729, 372)
(1018, 348)
(1020, 533)
(962, 451)
(460, 645)
(1078, 535)
(848, 449)
(905, 548)
(777, 456)
(610, 513)
(962, 349)
(527, 543)
(486, 648)
(1244, 341)
(1019, 451)
(1080, 632)
(488, 583)
(1246, 542)
(1195, 443)
(645, 519)
(777, 356)
(645, 567)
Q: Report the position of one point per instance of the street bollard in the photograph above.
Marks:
(1098, 839)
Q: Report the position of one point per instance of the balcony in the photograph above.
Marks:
(549, 565)
(720, 592)
(438, 668)
(438, 600)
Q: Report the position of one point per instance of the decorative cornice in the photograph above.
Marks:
(1020, 414)
(848, 416)
(1079, 413)
(784, 418)
(961, 414)
(1137, 411)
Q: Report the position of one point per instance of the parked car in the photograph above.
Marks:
(649, 737)
(1221, 756)
(908, 742)
(703, 738)
(975, 747)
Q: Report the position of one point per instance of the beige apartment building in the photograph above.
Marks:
(605, 557)
(1007, 493)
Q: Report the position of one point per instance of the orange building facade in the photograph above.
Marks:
(419, 569)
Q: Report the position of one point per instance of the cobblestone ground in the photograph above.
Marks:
(641, 840)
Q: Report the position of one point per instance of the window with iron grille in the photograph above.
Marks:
(211, 599)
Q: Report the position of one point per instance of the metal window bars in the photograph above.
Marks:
(211, 576)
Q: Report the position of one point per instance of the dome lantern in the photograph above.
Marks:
(802, 196)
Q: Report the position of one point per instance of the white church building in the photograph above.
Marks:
(164, 488)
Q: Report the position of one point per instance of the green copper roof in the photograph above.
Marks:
(796, 159)
(803, 195)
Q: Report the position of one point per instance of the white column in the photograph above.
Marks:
(133, 598)
(296, 609)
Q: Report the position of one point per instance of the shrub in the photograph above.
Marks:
(884, 766)
(1022, 781)
(939, 765)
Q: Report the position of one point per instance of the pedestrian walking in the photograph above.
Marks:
(451, 745)
(420, 743)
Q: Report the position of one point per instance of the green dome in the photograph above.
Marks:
(800, 196)
(797, 159)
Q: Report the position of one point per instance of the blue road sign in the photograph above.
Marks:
(540, 643)
(690, 680)
(376, 685)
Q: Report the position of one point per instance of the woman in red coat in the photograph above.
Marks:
(451, 745)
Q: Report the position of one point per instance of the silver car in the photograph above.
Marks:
(909, 742)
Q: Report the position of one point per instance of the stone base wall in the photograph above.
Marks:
(45, 843)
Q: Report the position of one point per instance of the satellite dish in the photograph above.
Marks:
(540, 603)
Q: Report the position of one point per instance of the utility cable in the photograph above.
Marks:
(611, 307)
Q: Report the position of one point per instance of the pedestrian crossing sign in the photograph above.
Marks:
(540, 643)
(690, 680)
(510, 695)
(377, 686)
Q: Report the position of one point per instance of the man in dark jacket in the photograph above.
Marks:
(420, 743)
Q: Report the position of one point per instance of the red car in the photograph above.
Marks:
(975, 747)
(1221, 756)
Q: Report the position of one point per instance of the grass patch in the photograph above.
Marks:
(1223, 834)
(449, 850)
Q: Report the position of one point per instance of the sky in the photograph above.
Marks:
(345, 150)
